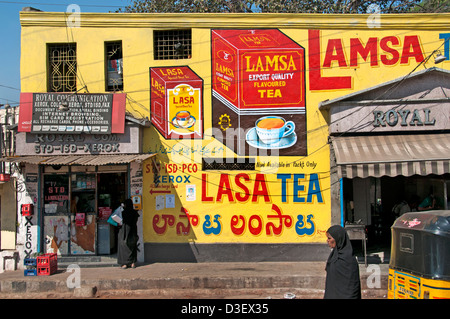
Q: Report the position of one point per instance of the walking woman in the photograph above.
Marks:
(342, 281)
(128, 237)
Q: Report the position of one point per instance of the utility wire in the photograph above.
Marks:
(307, 132)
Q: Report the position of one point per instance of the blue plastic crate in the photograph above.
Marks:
(29, 262)
(30, 272)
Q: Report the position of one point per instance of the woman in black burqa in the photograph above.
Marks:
(128, 237)
(342, 281)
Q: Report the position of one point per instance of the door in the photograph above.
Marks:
(83, 217)
(112, 191)
(56, 213)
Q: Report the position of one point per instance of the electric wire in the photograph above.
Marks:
(131, 100)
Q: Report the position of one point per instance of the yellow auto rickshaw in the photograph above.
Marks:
(420, 256)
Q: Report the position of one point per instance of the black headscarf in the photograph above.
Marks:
(342, 280)
(129, 214)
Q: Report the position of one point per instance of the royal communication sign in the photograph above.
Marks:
(69, 113)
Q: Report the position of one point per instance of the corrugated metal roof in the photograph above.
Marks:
(88, 160)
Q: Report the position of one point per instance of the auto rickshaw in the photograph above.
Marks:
(420, 256)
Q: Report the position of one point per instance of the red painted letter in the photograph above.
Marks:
(316, 81)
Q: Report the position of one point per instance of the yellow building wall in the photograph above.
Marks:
(294, 201)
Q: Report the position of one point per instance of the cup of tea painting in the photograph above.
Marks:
(271, 129)
(182, 118)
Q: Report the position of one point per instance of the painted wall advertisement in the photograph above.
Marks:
(250, 162)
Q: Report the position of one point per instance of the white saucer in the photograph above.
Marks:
(189, 124)
(253, 140)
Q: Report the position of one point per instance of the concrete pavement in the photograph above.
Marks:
(189, 280)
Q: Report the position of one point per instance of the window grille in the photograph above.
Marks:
(172, 44)
(62, 61)
(114, 66)
(229, 164)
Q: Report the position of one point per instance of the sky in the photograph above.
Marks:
(10, 36)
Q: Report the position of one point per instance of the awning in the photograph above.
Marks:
(91, 160)
(392, 155)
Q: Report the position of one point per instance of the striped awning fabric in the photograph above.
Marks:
(392, 155)
(90, 160)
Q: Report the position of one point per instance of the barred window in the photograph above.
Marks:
(172, 44)
(62, 64)
(230, 164)
(114, 66)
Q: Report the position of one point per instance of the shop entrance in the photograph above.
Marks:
(76, 206)
(377, 202)
(111, 193)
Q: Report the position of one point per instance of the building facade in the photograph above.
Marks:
(238, 163)
(391, 147)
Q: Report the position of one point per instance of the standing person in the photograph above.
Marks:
(128, 237)
(342, 281)
(406, 206)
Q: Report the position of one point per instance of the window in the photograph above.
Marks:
(229, 164)
(62, 63)
(407, 243)
(114, 66)
(56, 194)
(172, 44)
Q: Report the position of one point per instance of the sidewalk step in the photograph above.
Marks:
(268, 293)
(187, 293)
(190, 279)
(87, 261)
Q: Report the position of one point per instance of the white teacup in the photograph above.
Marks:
(271, 129)
(182, 118)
